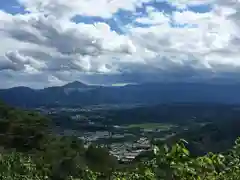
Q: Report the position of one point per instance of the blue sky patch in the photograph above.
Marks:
(122, 18)
(204, 8)
(11, 6)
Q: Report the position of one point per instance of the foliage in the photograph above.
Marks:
(54, 156)
(21, 130)
(30, 152)
(169, 163)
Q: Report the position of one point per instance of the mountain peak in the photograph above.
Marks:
(75, 84)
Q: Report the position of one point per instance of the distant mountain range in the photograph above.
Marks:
(77, 93)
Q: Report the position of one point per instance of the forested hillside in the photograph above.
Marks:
(77, 93)
(27, 135)
(30, 151)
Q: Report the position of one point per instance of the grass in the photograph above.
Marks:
(151, 126)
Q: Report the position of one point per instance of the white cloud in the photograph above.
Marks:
(46, 41)
(182, 4)
(52, 42)
(154, 18)
(213, 34)
(63, 8)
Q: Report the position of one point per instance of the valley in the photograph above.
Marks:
(128, 131)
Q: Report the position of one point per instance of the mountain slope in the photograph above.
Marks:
(77, 93)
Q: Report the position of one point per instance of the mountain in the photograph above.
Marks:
(72, 87)
(75, 84)
(77, 93)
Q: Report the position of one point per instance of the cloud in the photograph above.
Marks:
(63, 43)
(65, 8)
(204, 37)
(154, 17)
(197, 38)
(183, 4)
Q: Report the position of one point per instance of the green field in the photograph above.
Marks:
(151, 126)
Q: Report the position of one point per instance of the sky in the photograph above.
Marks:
(53, 42)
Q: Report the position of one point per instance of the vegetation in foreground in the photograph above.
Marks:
(167, 164)
(30, 152)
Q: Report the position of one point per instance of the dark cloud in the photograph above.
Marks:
(45, 46)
